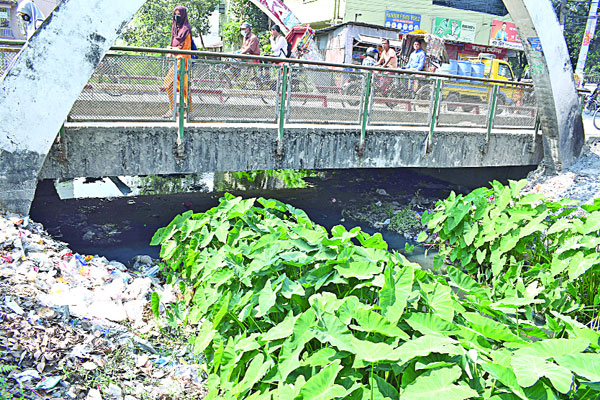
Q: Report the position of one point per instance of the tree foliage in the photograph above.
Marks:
(151, 25)
(576, 14)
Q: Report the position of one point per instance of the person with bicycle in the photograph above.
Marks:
(387, 59)
(250, 43)
(589, 105)
(181, 39)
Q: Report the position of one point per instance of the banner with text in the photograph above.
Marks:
(278, 12)
(505, 34)
(405, 22)
(454, 29)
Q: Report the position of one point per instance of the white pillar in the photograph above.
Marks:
(552, 73)
(42, 85)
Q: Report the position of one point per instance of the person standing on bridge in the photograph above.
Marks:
(250, 43)
(31, 15)
(181, 39)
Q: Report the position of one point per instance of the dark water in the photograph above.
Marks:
(120, 228)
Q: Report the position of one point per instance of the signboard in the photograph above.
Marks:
(454, 29)
(505, 34)
(278, 12)
(475, 48)
(536, 44)
(405, 22)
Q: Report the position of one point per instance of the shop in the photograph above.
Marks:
(347, 43)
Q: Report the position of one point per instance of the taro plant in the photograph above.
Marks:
(520, 243)
(285, 309)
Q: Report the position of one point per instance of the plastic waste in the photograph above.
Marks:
(48, 383)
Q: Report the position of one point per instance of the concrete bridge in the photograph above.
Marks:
(246, 115)
(249, 116)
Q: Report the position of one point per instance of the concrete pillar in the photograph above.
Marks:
(48, 75)
(552, 73)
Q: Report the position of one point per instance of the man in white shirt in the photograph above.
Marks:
(279, 45)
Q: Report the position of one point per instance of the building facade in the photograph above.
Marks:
(454, 20)
(10, 26)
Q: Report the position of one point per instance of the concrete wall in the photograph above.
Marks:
(104, 150)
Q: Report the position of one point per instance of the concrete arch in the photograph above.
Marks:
(552, 73)
(46, 78)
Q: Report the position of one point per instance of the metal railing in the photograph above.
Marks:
(219, 87)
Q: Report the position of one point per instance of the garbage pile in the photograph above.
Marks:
(80, 327)
(581, 181)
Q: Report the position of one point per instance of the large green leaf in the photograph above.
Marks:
(585, 364)
(506, 376)
(255, 371)
(592, 223)
(438, 384)
(395, 291)
(204, 337)
(383, 390)
(430, 324)
(528, 369)
(358, 269)
(321, 386)
(490, 328)
(427, 344)
(370, 321)
(282, 330)
(552, 348)
(266, 299)
(442, 303)
(465, 283)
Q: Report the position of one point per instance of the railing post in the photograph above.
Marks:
(365, 113)
(434, 114)
(490, 118)
(182, 87)
(282, 108)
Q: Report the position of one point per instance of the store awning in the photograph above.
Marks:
(377, 40)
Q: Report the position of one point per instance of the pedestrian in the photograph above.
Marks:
(181, 39)
(31, 15)
(279, 45)
(250, 43)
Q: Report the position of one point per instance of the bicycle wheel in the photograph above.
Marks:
(597, 119)
(113, 77)
(299, 86)
(353, 89)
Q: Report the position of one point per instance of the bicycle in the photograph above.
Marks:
(251, 78)
(389, 87)
(597, 118)
(112, 77)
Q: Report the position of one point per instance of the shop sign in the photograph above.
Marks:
(454, 29)
(405, 22)
(505, 34)
(475, 48)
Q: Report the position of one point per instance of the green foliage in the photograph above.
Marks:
(151, 25)
(6, 391)
(522, 245)
(402, 220)
(246, 11)
(286, 309)
(576, 15)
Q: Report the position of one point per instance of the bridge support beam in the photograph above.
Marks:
(552, 73)
(39, 90)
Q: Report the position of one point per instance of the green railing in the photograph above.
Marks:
(220, 87)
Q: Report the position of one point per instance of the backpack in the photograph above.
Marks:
(194, 48)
